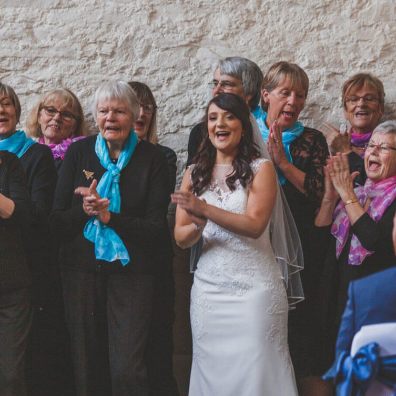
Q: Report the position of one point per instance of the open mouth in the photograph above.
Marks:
(288, 114)
(3, 119)
(362, 113)
(222, 135)
(373, 165)
(139, 124)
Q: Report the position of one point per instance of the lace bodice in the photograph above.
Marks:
(229, 258)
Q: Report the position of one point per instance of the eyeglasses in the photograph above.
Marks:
(382, 147)
(147, 108)
(52, 112)
(223, 84)
(366, 99)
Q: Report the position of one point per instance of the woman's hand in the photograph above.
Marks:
(194, 206)
(330, 193)
(93, 204)
(199, 222)
(7, 207)
(275, 146)
(341, 178)
(337, 141)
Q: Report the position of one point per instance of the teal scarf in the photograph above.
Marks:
(108, 245)
(288, 136)
(18, 143)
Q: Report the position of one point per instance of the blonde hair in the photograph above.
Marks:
(282, 70)
(70, 100)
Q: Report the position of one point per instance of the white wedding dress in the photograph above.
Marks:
(238, 308)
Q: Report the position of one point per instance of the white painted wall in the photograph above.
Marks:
(173, 45)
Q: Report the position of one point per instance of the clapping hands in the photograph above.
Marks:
(275, 145)
(93, 204)
(338, 179)
(194, 206)
(338, 141)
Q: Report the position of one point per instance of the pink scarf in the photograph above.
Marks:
(59, 150)
(360, 140)
(382, 195)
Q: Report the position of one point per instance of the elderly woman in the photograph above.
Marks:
(15, 281)
(363, 99)
(40, 171)
(160, 342)
(57, 120)
(110, 212)
(299, 154)
(361, 224)
(236, 75)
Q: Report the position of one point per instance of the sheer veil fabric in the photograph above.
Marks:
(284, 236)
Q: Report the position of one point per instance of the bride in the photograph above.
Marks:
(239, 304)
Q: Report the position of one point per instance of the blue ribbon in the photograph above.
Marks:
(353, 375)
(18, 143)
(288, 136)
(108, 245)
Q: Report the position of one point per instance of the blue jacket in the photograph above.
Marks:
(371, 300)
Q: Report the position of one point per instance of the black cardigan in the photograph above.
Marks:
(141, 224)
(41, 176)
(14, 273)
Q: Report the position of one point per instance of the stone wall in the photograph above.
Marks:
(173, 45)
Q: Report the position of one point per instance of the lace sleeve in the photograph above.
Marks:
(256, 164)
(309, 155)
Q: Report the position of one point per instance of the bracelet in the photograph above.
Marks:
(350, 201)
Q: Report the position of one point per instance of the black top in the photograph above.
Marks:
(356, 164)
(41, 175)
(14, 272)
(40, 170)
(309, 152)
(141, 224)
(171, 159)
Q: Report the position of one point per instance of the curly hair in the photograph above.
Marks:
(247, 150)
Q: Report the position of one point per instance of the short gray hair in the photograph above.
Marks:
(387, 127)
(246, 71)
(116, 90)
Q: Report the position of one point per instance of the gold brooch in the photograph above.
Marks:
(88, 174)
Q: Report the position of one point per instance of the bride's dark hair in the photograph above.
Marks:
(247, 151)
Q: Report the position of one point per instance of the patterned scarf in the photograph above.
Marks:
(18, 143)
(288, 136)
(108, 245)
(59, 150)
(360, 140)
(382, 195)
